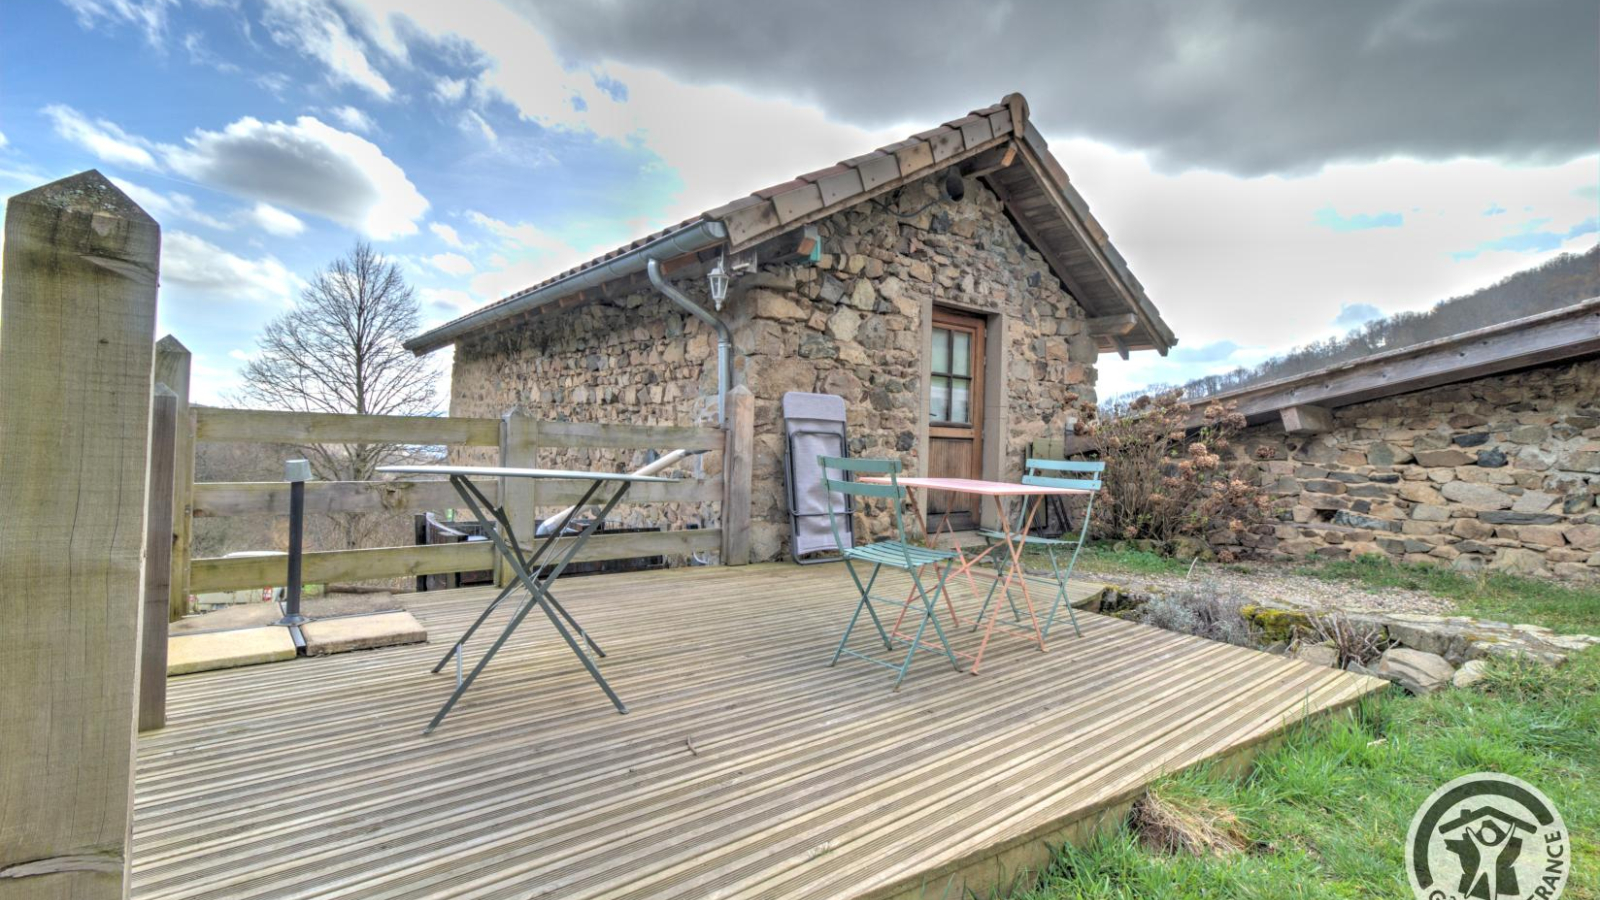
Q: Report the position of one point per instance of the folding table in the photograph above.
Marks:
(532, 575)
(1012, 540)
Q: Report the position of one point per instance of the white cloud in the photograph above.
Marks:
(149, 16)
(448, 302)
(275, 221)
(315, 29)
(472, 121)
(108, 142)
(447, 234)
(452, 263)
(1243, 259)
(353, 119)
(167, 206)
(308, 166)
(450, 90)
(202, 266)
(719, 142)
(522, 234)
(3, 141)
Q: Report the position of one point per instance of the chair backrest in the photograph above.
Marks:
(1057, 472)
(850, 467)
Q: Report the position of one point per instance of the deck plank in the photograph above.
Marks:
(312, 779)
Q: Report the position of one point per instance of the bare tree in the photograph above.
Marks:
(339, 351)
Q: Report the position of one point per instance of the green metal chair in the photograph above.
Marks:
(1048, 472)
(897, 554)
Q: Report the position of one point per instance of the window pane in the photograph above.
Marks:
(961, 401)
(941, 350)
(939, 399)
(961, 354)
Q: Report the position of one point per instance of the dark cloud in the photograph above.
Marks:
(1246, 86)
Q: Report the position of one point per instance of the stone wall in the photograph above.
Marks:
(1500, 473)
(856, 323)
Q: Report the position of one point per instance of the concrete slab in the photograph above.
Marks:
(228, 649)
(325, 636)
(251, 615)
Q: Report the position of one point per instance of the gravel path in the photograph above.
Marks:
(1267, 582)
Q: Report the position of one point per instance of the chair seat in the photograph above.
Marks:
(999, 537)
(895, 553)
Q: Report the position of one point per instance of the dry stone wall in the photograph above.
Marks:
(853, 324)
(1501, 473)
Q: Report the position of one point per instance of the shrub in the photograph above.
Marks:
(1162, 482)
(1204, 610)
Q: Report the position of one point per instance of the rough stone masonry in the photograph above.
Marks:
(1499, 473)
(852, 324)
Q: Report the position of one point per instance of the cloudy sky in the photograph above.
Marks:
(1275, 172)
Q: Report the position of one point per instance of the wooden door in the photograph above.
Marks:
(955, 412)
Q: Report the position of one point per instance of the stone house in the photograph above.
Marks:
(953, 288)
(1480, 450)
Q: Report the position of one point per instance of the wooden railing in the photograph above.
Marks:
(519, 441)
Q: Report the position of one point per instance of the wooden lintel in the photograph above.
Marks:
(1306, 419)
(1121, 345)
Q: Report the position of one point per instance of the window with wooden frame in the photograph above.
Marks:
(953, 372)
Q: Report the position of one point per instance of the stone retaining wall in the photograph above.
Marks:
(1500, 473)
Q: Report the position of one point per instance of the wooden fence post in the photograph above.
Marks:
(172, 370)
(157, 561)
(737, 463)
(77, 324)
(519, 449)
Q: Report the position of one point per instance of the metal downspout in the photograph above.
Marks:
(724, 337)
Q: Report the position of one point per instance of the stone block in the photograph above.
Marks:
(228, 649)
(1529, 434)
(1534, 502)
(769, 305)
(1477, 496)
(1414, 670)
(1471, 672)
(1471, 529)
(1386, 454)
(1516, 518)
(1584, 537)
(1517, 561)
(1543, 535)
(1451, 457)
(1430, 513)
(1421, 492)
(347, 633)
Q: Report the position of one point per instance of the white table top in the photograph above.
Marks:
(498, 472)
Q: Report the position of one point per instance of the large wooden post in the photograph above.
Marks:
(172, 370)
(77, 324)
(157, 561)
(519, 449)
(737, 463)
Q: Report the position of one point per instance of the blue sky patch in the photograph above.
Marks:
(1329, 218)
(1352, 315)
(1495, 209)
(1532, 237)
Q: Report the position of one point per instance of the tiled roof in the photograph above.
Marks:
(782, 207)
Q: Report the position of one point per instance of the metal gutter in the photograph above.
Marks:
(724, 336)
(688, 239)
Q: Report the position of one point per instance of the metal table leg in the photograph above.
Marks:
(537, 587)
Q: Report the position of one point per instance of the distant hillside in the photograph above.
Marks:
(1560, 282)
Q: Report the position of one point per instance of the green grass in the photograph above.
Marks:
(1106, 558)
(1566, 607)
(1327, 811)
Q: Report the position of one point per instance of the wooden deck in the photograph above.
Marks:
(745, 767)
